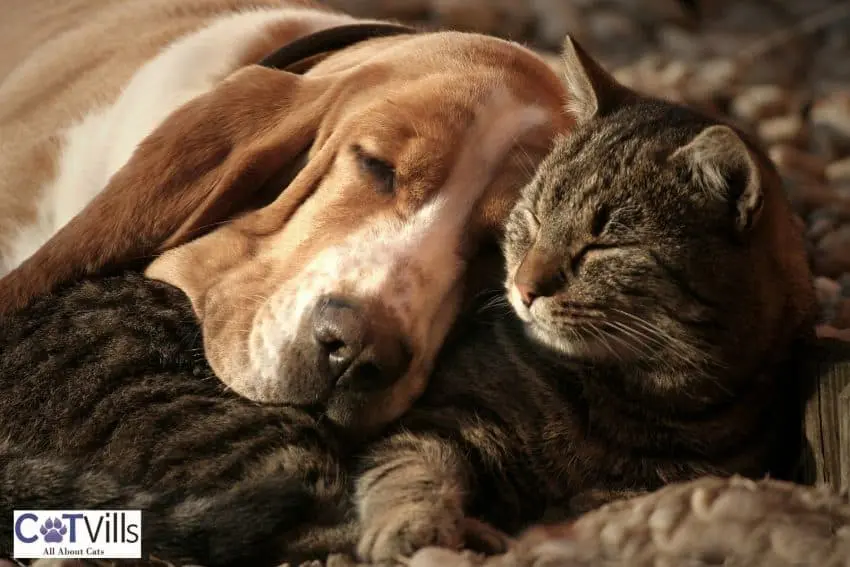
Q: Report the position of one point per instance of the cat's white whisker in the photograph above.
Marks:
(498, 304)
(602, 338)
(635, 348)
(687, 353)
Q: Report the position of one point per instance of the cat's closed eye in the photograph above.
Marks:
(581, 257)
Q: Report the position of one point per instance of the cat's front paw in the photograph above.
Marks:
(399, 531)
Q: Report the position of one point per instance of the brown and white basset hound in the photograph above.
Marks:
(322, 221)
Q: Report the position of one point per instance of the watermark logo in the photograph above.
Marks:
(52, 530)
(85, 534)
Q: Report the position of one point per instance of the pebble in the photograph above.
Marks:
(630, 77)
(838, 172)
(807, 197)
(728, 43)
(610, 27)
(391, 9)
(642, 74)
(842, 190)
(830, 118)
(844, 282)
(788, 129)
(675, 75)
(832, 253)
(798, 164)
(683, 43)
(556, 19)
(841, 207)
(828, 290)
(469, 15)
(826, 141)
(761, 101)
(406, 9)
(831, 332)
(821, 222)
(715, 76)
(518, 17)
(841, 319)
(654, 11)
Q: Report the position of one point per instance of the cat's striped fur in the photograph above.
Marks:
(108, 403)
(655, 262)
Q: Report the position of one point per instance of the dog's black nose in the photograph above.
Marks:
(362, 346)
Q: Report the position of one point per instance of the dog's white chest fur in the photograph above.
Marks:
(97, 146)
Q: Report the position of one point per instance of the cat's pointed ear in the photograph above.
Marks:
(723, 165)
(591, 89)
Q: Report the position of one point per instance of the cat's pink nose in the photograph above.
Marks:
(527, 293)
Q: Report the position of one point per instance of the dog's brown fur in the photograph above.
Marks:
(413, 101)
(62, 58)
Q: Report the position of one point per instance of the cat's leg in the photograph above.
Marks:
(412, 495)
(419, 484)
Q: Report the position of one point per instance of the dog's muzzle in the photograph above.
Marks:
(357, 346)
(345, 348)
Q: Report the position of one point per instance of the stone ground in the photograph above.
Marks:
(778, 68)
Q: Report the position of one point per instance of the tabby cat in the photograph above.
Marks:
(661, 287)
(660, 283)
(109, 403)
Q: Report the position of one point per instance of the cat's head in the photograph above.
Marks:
(654, 233)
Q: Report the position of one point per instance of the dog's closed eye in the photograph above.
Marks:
(378, 169)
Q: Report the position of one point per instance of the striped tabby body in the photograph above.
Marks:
(108, 403)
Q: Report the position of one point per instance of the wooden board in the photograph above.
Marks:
(826, 458)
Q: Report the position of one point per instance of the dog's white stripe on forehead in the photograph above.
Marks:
(442, 222)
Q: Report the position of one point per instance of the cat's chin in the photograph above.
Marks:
(580, 344)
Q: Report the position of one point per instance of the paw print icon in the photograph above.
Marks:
(53, 530)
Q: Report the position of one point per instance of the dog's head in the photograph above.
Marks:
(385, 171)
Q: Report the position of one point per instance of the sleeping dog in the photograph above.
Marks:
(322, 188)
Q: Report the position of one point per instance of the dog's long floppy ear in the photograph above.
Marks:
(203, 165)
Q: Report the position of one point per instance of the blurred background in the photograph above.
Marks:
(779, 69)
(627, 32)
